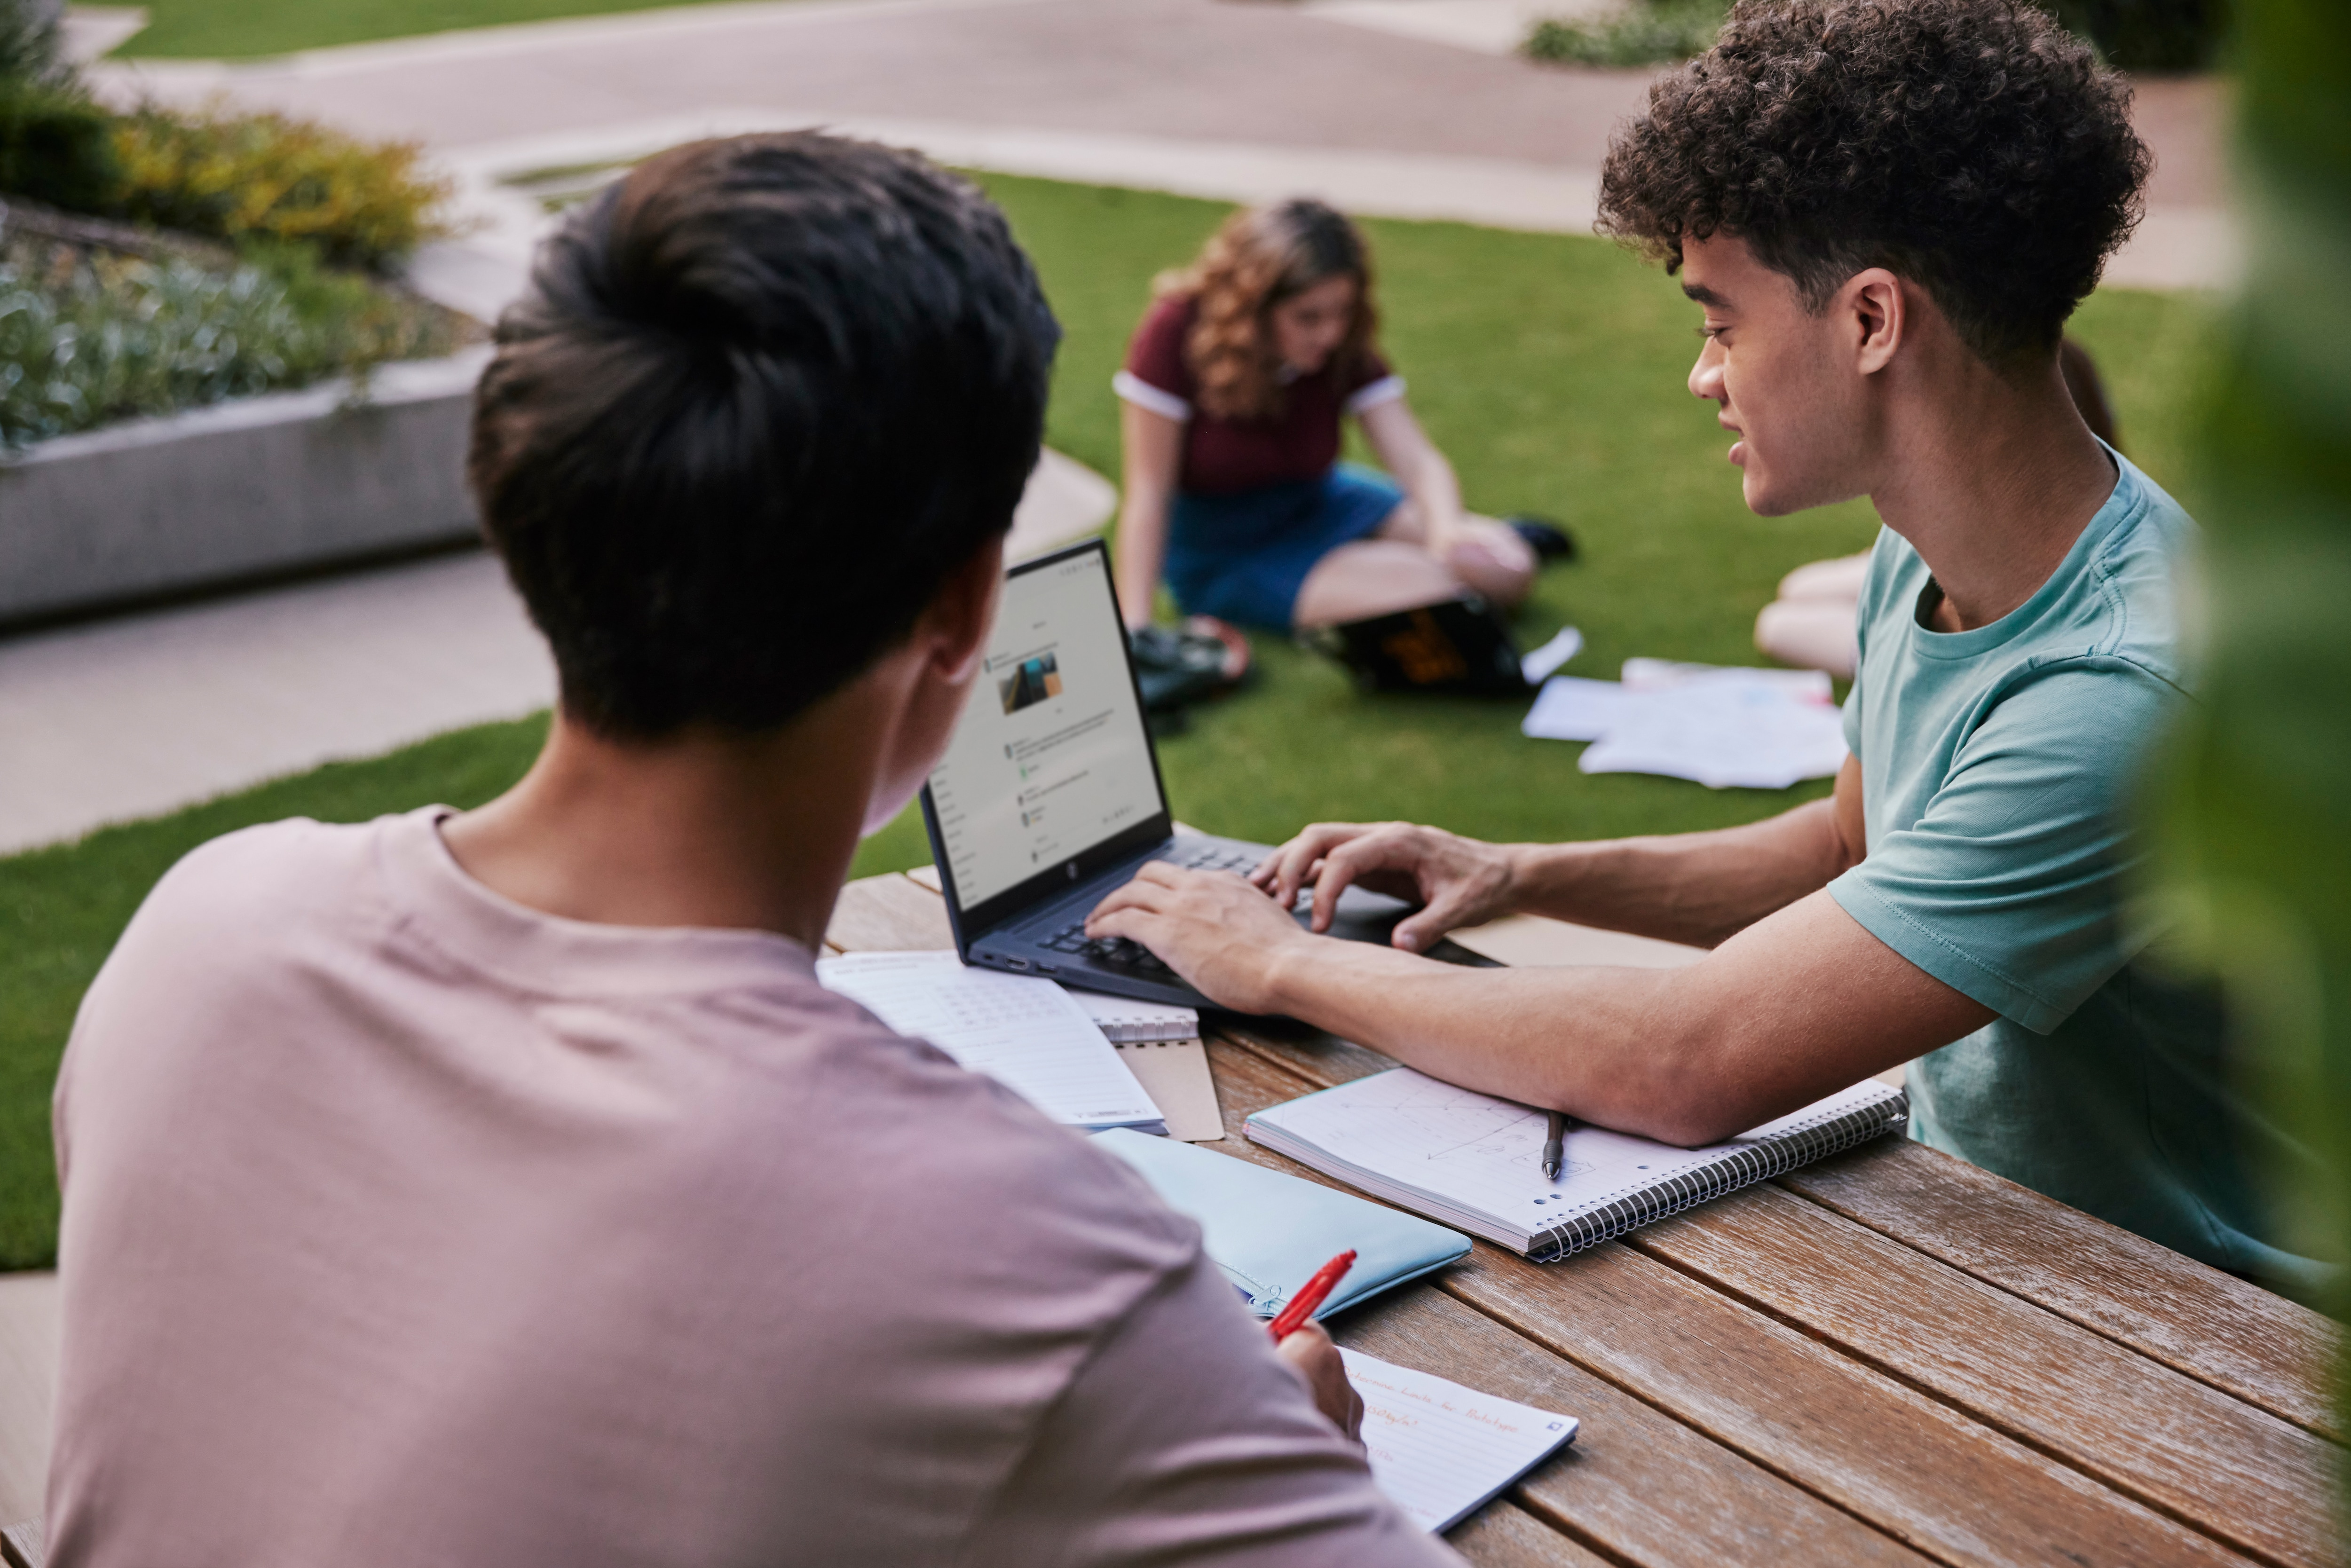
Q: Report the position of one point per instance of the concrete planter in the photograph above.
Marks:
(240, 491)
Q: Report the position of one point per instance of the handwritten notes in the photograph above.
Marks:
(1440, 1450)
(1028, 1035)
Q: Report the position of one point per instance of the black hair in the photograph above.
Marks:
(1972, 146)
(766, 393)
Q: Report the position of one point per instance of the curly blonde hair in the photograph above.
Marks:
(1259, 257)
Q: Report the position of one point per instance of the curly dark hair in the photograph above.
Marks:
(1972, 146)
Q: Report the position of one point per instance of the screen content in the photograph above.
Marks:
(1049, 757)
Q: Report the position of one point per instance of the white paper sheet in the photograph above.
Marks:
(1722, 726)
(1722, 735)
(1570, 707)
(1440, 1450)
(1028, 1035)
(1656, 675)
(1538, 663)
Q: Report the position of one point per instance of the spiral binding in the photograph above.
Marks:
(1748, 1166)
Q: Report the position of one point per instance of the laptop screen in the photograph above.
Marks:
(1050, 759)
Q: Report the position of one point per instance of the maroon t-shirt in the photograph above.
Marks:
(1225, 456)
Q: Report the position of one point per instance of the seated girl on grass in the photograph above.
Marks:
(1231, 406)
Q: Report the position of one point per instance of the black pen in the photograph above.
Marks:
(1553, 1137)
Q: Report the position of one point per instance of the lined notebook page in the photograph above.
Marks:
(1440, 1449)
(1484, 1156)
(1026, 1034)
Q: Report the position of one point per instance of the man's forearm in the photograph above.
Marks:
(1698, 888)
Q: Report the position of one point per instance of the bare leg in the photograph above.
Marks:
(1371, 576)
(1826, 579)
(1810, 634)
(1489, 556)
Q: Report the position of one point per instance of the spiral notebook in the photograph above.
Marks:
(1475, 1162)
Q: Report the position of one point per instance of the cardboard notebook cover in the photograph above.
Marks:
(1269, 1232)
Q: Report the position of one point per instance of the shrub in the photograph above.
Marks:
(28, 42)
(56, 146)
(2149, 35)
(263, 176)
(1642, 34)
(89, 339)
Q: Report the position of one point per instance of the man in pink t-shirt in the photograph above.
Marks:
(500, 1188)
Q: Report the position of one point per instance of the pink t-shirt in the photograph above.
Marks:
(403, 1224)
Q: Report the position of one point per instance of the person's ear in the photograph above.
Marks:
(1873, 301)
(964, 613)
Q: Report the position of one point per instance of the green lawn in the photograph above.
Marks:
(237, 30)
(1549, 367)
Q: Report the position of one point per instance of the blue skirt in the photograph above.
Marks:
(1243, 558)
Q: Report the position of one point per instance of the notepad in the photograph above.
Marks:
(1473, 1161)
(1026, 1034)
(1174, 1073)
(1442, 1451)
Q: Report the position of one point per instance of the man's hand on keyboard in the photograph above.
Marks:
(1212, 927)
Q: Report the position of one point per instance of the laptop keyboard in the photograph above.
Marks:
(1121, 954)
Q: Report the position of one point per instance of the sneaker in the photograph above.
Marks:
(1546, 538)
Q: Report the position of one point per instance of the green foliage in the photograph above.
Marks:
(1644, 33)
(266, 176)
(87, 340)
(2258, 850)
(28, 43)
(209, 29)
(1549, 367)
(57, 146)
(2149, 35)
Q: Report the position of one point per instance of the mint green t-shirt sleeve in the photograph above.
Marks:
(2007, 886)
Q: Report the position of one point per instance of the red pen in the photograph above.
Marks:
(1310, 1296)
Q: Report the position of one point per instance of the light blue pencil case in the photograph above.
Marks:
(1268, 1232)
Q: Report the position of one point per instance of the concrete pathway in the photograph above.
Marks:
(1405, 108)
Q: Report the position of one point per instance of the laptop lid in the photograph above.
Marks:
(1051, 775)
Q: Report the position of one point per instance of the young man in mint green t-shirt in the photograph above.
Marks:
(1888, 209)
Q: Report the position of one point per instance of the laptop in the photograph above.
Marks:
(1050, 794)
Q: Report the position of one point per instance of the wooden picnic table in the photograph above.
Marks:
(1888, 1358)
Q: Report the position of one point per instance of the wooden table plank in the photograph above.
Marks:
(1504, 1535)
(1946, 1484)
(1321, 1058)
(1637, 1482)
(2261, 1484)
(2212, 1326)
(888, 913)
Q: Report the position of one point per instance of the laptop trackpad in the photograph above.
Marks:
(1362, 915)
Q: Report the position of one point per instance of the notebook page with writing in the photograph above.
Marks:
(1475, 1161)
(1026, 1034)
(1440, 1450)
